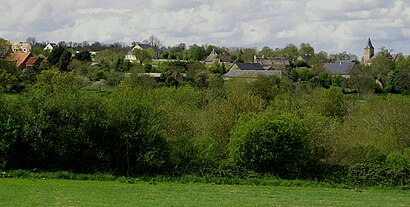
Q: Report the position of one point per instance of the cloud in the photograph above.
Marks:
(333, 26)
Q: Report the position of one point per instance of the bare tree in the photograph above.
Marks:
(31, 40)
(154, 42)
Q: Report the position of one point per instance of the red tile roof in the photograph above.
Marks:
(19, 57)
(33, 60)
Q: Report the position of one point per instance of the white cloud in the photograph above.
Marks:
(334, 26)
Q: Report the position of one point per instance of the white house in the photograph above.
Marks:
(139, 46)
(20, 47)
(50, 46)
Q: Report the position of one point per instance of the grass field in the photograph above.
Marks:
(44, 192)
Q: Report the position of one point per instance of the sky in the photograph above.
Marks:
(328, 25)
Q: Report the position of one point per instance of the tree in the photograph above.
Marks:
(144, 56)
(266, 52)
(291, 52)
(64, 60)
(382, 66)
(342, 56)
(7, 80)
(83, 56)
(196, 52)
(307, 51)
(4, 44)
(270, 143)
(32, 41)
(361, 79)
(154, 42)
(318, 59)
(55, 55)
(218, 68)
(385, 53)
(210, 48)
(248, 54)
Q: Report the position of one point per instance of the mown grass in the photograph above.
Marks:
(46, 192)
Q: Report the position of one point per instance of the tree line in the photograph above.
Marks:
(221, 128)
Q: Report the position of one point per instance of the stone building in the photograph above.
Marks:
(20, 47)
(368, 52)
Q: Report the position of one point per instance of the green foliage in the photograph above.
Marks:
(218, 68)
(267, 87)
(272, 143)
(83, 56)
(331, 103)
(144, 56)
(337, 80)
(196, 53)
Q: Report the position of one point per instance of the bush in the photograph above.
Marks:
(270, 143)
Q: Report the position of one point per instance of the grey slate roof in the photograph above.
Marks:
(252, 73)
(343, 67)
(144, 46)
(212, 57)
(250, 66)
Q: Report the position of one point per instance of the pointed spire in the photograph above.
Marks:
(213, 51)
(369, 44)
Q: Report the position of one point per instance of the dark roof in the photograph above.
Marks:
(250, 66)
(342, 67)
(275, 62)
(212, 57)
(369, 44)
(252, 73)
(144, 46)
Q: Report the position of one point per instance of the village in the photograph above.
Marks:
(290, 62)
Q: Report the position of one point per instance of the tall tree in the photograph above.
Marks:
(154, 42)
(248, 54)
(32, 41)
(305, 50)
(291, 52)
(196, 52)
(266, 51)
(83, 56)
(144, 56)
(64, 60)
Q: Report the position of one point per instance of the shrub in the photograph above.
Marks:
(270, 143)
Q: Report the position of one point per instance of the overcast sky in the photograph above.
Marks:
(329, 25)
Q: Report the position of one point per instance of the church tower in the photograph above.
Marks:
(368, 52)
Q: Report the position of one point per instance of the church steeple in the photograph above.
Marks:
(368, 52)
(369, 44)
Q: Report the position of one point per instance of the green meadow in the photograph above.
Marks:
(46, 192)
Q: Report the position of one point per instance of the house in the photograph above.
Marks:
(250, 71)
(20, 47)
(247, 66)
(50, 46)
(20, 59)
(272, 63)
(25, 60)
(34, 61)
(251, 74)
(342, 67)
(139, 46)
(213, 57)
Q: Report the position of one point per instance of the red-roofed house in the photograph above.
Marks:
(20, 58)
(33, 61)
